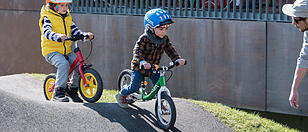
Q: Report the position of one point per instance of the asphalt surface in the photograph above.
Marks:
(23, 108)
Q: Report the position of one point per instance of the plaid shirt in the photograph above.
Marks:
(145, 50)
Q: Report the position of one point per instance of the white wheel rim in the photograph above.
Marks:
(125, 81)
(162, 116)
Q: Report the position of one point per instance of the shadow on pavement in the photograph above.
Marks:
(132, 119)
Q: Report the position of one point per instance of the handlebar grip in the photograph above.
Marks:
(87, 36)
(75, 37)
(141, 67)
(59, 40)
(177, 63)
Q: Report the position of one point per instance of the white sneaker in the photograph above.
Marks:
(136, 95)
(122, 101)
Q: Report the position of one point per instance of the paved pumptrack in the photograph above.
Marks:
(23, 108)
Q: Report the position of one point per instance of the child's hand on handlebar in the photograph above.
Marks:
(146, 65)
(91, 35)
(61, 38)
(181, 61)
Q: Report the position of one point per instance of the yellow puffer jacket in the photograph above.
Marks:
(59, 25)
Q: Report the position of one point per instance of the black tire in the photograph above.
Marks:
(95, 90)
(49, 81)
(166, 124)
(124, 78)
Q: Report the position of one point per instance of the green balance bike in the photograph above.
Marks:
(165, 110)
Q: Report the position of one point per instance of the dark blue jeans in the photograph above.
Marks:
(136, 79)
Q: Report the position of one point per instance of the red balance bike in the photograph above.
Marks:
(90, 82)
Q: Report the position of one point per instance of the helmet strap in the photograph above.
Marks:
(153, 32)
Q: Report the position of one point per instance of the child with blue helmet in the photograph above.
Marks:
(148, 50)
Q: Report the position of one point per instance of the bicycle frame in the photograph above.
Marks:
(79, 59)
(159, 87)
(161, 84)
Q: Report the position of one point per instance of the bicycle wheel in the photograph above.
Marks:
(167, 117)
(124, 79)
(94, 91)
(50, 80)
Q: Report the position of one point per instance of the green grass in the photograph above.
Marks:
(108, 96)
(238, 120)
(40, 76)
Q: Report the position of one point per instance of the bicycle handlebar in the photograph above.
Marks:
(171, 65)
(77, 37)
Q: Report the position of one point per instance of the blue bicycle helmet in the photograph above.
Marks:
(157, 17)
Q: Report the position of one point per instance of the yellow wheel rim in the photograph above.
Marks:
(49, 83)
(90, 91)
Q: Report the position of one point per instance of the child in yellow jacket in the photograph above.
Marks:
(56, 24)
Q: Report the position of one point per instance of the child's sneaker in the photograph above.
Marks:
(72, 93)
(121, 100)
(59, 95)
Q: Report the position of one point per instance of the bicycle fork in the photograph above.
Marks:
(162, 89)
(80, 59)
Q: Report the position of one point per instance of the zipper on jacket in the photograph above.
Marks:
(63, 18)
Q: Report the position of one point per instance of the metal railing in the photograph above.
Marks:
(252, 10)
